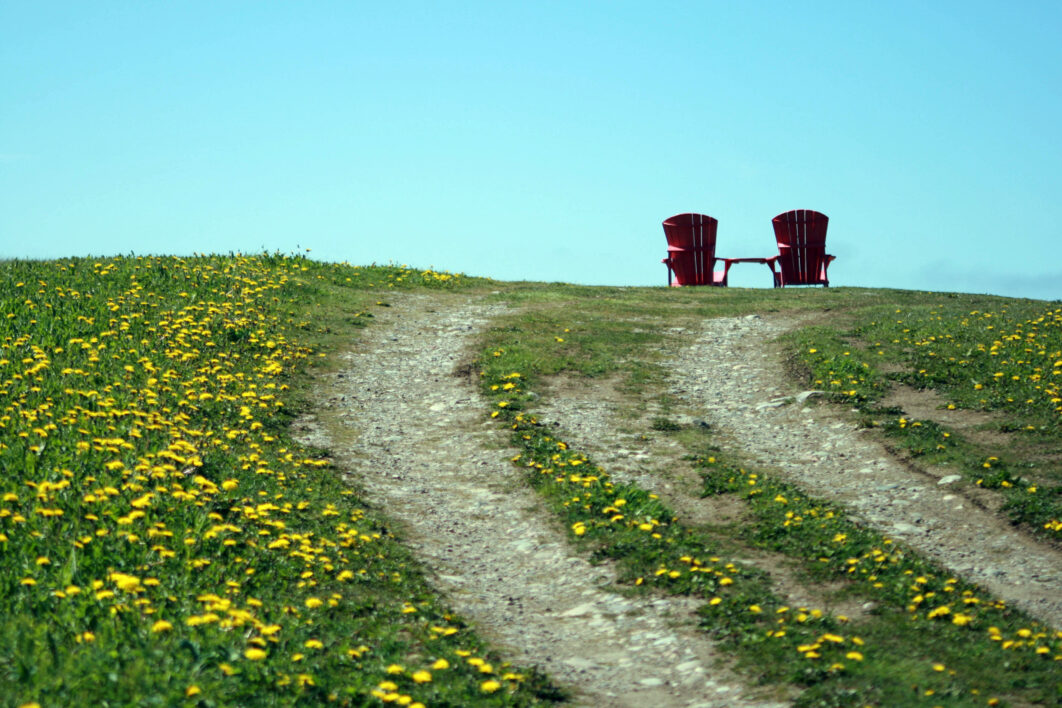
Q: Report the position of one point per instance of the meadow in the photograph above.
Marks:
(163, 540)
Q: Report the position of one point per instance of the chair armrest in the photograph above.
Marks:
(826, 264)
(775, 275)
(727, 262)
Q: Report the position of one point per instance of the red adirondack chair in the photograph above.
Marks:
(691, 251)
(802, 257)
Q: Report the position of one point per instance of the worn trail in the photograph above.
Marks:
(735, 381)
(414, 435)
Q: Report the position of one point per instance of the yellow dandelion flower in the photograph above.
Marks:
(489, 686)
(142, 502)
(939, 612)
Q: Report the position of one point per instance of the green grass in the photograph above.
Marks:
(162, 539)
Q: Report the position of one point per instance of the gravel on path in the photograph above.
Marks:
(732, 377)
(415, 437)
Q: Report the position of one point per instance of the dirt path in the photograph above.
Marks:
(735, 381)
(413, 433)
(415, 436)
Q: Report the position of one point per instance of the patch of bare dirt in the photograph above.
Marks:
(598, 417)
(927, 404)
(617, 430)
(1041, 462)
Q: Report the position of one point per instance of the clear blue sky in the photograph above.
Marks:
(540, 141)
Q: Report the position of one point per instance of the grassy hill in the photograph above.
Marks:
(163, 539)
